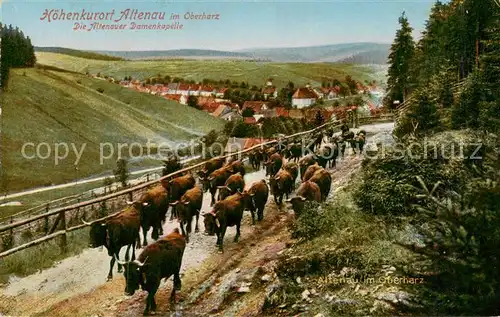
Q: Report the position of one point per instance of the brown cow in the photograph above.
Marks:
(274, 164)
(307, 191)
(178, 187)
(188, 207)
(159, 260)
(215, 179)
(153, 206)
(256, 157)
(237, 167)
(305, 162)
(225, 213)
(281, 184)
(324, 180)
(115, 233)
(234, 183)
(293, 169)
(310, 171)
(258, 194)
(209, 167)
(268, 152)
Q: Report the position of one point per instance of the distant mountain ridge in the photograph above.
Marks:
(356, 53)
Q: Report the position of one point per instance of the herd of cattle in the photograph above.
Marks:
(229, 199)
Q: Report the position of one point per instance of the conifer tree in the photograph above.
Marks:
(400, 57)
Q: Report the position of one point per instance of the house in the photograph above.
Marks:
(194, 90)
(257, 106)
(183, 89)
(281, 112)
(231, 116)
(182, 99)
(221, 110)
(304, 97)
(250, 120)
(210, 106)
(172, 88)
(204, 100)
(330, 93)
(269, 92)
(239, 144)
(220, 92)
(361, 88)
(207, 91)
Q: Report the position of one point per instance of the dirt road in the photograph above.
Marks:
(77, 286)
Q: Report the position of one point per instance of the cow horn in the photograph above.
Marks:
(302, 198)
(120, 262)
(210, 178)
(87, 223)
(139, 262)
(277, 177)
(220, 187)
(239, 191)
(174, 203)
(288, 200)
(145, 204)
(130, 202)
(186, 203)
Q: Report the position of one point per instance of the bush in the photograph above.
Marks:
(462, 242)
(422, 117)
(100, 90)
(387, 183)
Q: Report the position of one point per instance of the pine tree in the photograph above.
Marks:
(400, 57)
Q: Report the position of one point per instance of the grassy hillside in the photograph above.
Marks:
(255, 73)
(56, 107)
(78, 53)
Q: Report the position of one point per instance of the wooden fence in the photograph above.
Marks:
(69, 218)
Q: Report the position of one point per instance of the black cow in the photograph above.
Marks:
(159, 260)
(115, 233)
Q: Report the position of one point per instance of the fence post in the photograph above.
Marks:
(147, 177)
(102, 209)
(63, 243)
(46, 221)
(11, 235)
(130, 196)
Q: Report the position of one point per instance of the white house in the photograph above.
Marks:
(304, 97)
(183, 89)
(194, 90)
(207, 91)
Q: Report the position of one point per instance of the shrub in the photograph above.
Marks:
(462, 242)
(387, 182)
(422, 117)
(100, 90)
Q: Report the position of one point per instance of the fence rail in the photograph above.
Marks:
(73, 214)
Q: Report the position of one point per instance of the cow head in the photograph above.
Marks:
(211, 222)
(298, 203)
(97, 236)
(181, 208)
(224, 192)
(133, 275)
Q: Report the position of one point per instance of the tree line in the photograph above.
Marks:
(16, 51)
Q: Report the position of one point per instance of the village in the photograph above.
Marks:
(258, 103)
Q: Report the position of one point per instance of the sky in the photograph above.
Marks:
(241, 24)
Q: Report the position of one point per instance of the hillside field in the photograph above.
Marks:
(50, 106)
(255, 73)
